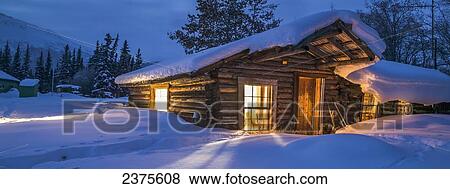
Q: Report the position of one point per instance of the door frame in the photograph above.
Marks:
(153, 88)
(297, 96)
(242, 81)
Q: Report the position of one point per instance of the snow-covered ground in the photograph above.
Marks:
(423, 142)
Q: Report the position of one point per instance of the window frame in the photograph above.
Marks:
(242, 81)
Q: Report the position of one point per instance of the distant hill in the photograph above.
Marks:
(19, 32)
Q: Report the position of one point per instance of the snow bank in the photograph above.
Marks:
(280, 151)
(75, 87)
(418, 125)
(12, 93)
(43, 105)
(6, 76)
(395, 81)
(26, 144)
(345, 151)
(289, 34)
(29, 82)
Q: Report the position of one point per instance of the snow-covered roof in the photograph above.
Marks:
(6, 76)
(289, 34)
(68, 86)
(29, 82)
(389, 81)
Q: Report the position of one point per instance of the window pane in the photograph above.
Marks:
(257, 107)
(248, 90)
(247, 101)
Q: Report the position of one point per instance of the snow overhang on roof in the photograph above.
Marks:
(29, 82)
(289, 34)
(6, 76)
(389, 81)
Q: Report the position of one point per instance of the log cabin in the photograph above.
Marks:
(284, 80)
(284, 85)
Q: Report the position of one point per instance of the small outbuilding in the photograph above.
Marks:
(7, 82)
(29, 87)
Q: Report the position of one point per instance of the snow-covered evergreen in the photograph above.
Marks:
(40, 71)
(64, 67)
(5, 58)
(104, 85)
(25, 68)
(138, 61)
(124, 59)
(218, 22)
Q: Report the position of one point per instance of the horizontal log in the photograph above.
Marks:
(285, 96)
(228, 97)
(228, 81)
(192, 99)
(194, 83)
(223, 89)
(188, 93)
(187, 89)
(187, 109)
(225, 75)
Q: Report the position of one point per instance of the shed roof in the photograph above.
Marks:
(285, 35)
(5, 76)
(29, 82)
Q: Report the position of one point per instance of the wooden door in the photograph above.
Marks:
(309, 98)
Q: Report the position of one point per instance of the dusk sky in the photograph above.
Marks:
(144, 23)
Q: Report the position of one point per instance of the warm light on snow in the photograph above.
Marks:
(36, 141)
(21, 120)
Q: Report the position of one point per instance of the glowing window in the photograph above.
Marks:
(257, 107)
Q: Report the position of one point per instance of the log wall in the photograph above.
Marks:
(214, 96)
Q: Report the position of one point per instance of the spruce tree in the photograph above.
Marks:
(40, 72)
(261, 16)
(47, 83)
(64, 68)
(114, 48)
(94, 59)
(139, 61)
(113, 66)
(15, 66)
(132, 64)
(25, 68)
(104, 85)
(124, 60)
(5, 60)
(73, 64)
(79, 60)
(218, 22)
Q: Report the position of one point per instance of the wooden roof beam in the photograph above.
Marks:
(346, 62)
(343, 49)
(363, 46)
(277, 55)
(319, 54)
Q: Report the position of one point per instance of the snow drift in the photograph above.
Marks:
(289, 34)
(389, 81)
